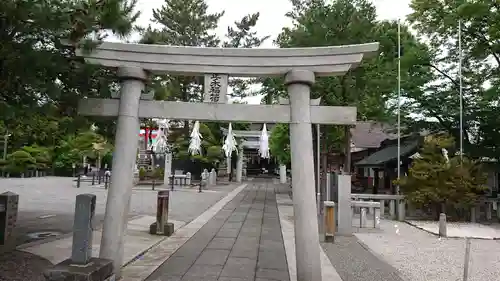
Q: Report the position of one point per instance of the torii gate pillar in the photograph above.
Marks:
(303, 182)
(120, 192)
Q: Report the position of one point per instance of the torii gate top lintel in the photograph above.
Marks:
(241, 62)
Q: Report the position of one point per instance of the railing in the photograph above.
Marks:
(490, 205)
(393, 200)
(373, 208)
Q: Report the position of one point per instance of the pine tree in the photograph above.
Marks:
(439, 183)
(188, 23)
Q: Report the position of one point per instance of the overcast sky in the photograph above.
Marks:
(272, 15)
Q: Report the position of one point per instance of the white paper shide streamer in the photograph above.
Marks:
(161, 144)
(195, 141)
(229, 143)
(264, 143)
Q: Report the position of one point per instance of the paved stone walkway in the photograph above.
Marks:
(242, 242)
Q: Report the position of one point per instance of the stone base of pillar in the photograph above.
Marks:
(96, 270)
(168, 229)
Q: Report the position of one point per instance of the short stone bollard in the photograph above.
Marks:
(473, 214)
(362, 218)
(442, 225)
(330, 222)
(166, 228)
(9, 203)
(213, 177)
(82, 266)
(205, 178)
(188, 178)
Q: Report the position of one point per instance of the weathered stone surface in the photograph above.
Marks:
(82, 228)
(168, 229)
(96, 270)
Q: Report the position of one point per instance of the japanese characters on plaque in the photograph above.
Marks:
(215, 88)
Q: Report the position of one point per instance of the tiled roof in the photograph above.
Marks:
(371, 134)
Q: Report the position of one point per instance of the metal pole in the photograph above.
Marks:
(460, 87)
(399, 104)
(466, 258)
(5, 142)
(318, 161)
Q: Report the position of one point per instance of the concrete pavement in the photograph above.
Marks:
(243, 233)
(46, 205)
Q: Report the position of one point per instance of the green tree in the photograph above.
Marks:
(439, 183)
(371, 87)
(40, 81)
(73, 148)
(279, 143)
(437, 21)
(42, 155)
(210, 145)
(19, 162)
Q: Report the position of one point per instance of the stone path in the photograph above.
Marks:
(242, 242)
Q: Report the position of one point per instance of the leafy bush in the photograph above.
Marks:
(159, 173)
(41, 154)
(19, 162)
(142, 173)
(438, 183)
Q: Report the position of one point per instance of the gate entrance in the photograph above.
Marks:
(299, 66)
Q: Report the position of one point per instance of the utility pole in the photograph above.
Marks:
(5, 143)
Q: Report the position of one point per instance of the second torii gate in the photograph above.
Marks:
(299, 66)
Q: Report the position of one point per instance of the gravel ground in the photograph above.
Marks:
(21, 266)
(355, 263)
(420, 256)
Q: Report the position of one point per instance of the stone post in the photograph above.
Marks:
(213, 177)
(473, 215)
(120, 191)
(168, 168)
(9, 205)
(362, 217)
(488, 211)
(205, 178)
(442, 225)
(344, 204)
(228, 165)
(82, 228)
(239, 166)
(282, 173)
(162, 226)
(81, 265)
(401, 210)
(307, 248)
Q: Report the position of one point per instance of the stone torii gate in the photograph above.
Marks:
(299, 66)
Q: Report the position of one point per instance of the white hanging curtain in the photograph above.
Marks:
(229, 143)
(161, 143)
(264, 143)
(195, 141)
